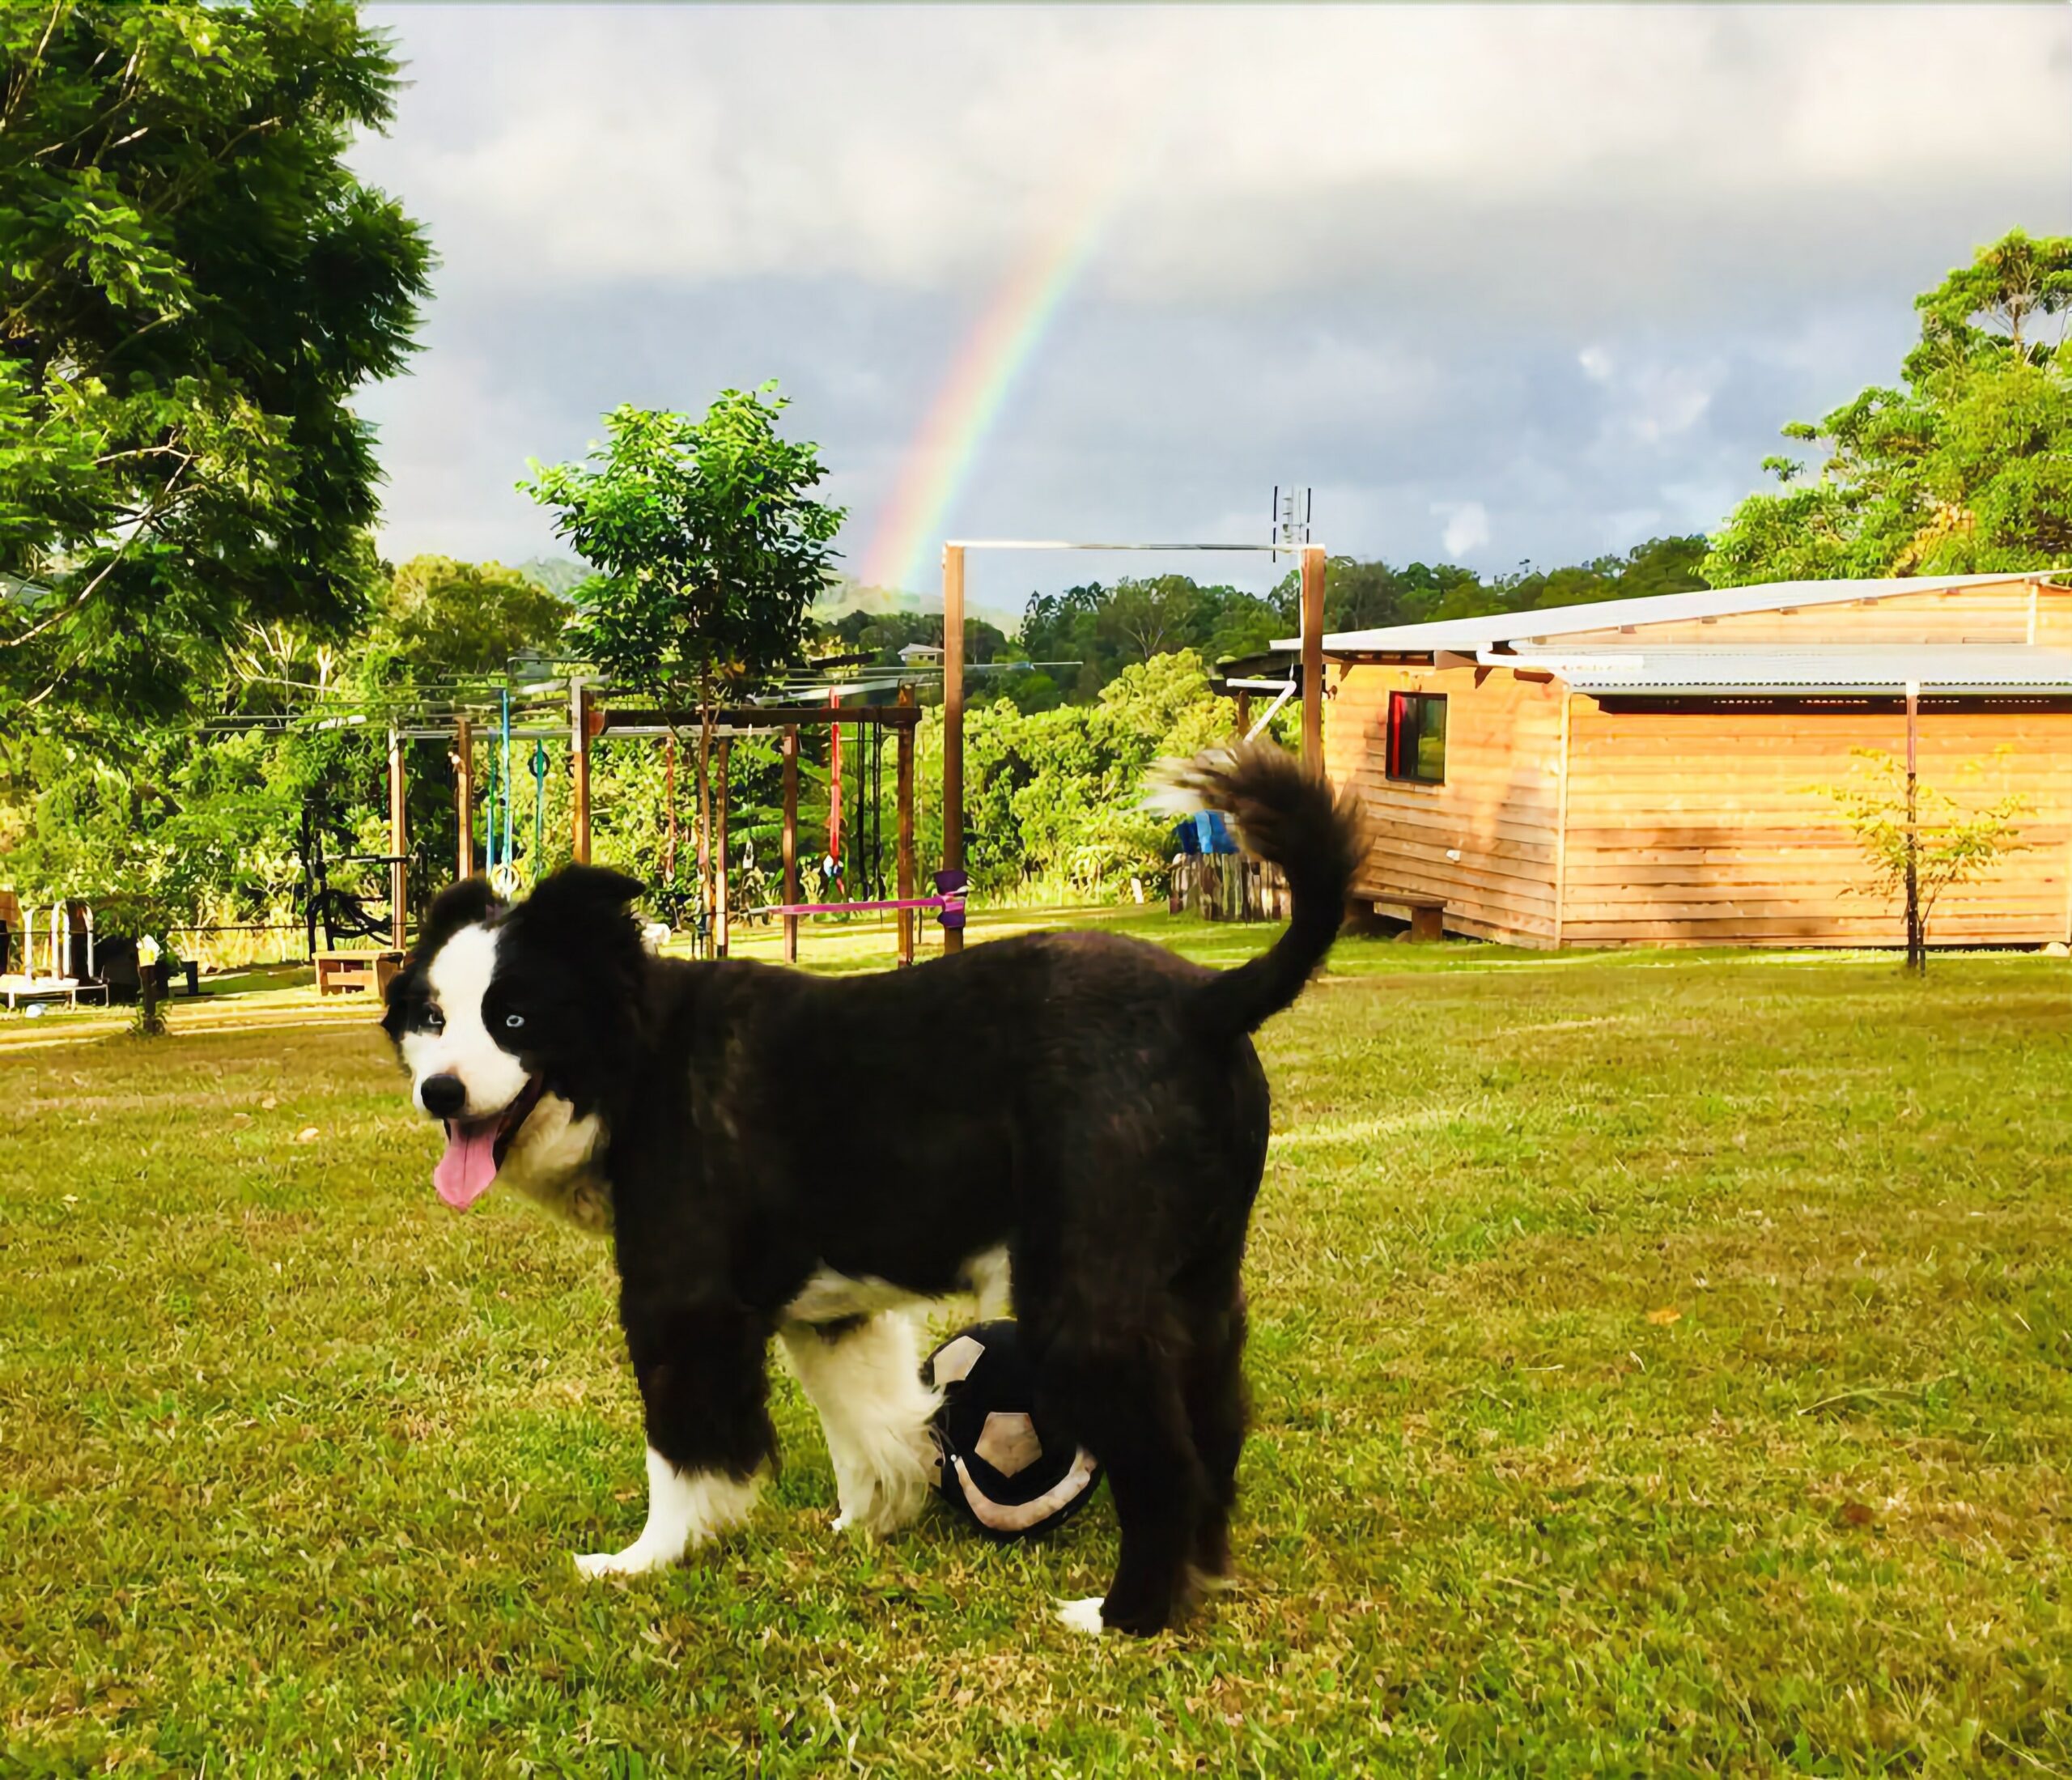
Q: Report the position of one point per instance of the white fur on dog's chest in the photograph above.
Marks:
(553, 1163)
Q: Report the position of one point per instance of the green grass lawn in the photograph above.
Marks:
(1662, 1364)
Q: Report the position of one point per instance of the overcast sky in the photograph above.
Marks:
(1501, 284)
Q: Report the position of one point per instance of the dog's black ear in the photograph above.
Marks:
(457, 906)
(577, 891)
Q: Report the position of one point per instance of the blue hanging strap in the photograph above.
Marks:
(506, 725)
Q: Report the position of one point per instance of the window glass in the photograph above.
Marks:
(1416, 741)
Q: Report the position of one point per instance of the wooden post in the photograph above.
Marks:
(720, 850)
(579, 770)
(399, 883)
(791, 754)
(1313, 658)
(705, 917)
(834, 791)
(903, 796)
(1916, 945)
(952, 722)
(1561, 823)
(1244, 699)
(463, 797)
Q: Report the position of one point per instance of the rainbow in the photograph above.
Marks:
(994, 353)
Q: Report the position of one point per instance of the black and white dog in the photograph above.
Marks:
(1077, 1118)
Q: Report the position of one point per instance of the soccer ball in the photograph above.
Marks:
(997, 1467)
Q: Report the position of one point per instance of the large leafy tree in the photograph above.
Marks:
(1966, 467)
(191, 285)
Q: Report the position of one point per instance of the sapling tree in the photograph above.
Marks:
(709, 548)
(1918, 840)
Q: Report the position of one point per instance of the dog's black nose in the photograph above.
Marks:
(444, 1096)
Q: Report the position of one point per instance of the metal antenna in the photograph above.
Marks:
(1289, 530)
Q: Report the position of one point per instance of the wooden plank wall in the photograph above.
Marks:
(1992, 612)
(1499, 808)
(1705, 826)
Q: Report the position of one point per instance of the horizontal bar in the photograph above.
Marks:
(1061, 544)
(725, 732)
(490, 731)
(769, 715)
(855, 908)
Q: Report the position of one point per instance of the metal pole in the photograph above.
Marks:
(1313, 658)
(952, 722)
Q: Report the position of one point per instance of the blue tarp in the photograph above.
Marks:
(1203, 832)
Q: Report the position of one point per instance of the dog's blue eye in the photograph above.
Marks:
(513, 1021)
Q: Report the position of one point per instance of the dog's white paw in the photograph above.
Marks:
(632, 1561)
(842, 1523)
(1083, 1615)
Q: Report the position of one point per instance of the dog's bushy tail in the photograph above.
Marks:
(1316, 835)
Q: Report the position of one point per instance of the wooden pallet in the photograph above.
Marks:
(356, 973)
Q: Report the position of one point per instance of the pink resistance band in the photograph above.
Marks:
(855, 908)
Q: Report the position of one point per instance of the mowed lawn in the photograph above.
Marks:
(1662, 1364)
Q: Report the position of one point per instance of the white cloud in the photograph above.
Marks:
(1250, 150)
(1467, 527)
(1596, 362)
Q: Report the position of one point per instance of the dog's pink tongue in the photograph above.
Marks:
(468, 1165)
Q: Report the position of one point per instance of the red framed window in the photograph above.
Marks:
(1417, 738)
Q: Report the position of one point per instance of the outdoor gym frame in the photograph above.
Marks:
(588, 720)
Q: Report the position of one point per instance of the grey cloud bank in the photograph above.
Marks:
(1501, 284)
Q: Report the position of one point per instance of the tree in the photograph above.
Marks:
(1919, 841)
(193, 283)
(709, 548)
(1966, 468)
(443, 619)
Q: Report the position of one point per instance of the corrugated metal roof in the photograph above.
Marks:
(1765, 670)
(1466, 635)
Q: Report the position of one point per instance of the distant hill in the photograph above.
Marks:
(845, 594)
(559, 575)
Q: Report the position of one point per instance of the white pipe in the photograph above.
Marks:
(28, 940)
(90, 940)
(1272, 710)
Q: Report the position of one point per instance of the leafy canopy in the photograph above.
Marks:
(446, 620)
(1966, 468)
(192, 284)
(709, 547)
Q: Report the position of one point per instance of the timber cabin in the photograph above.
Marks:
(1647, 771)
